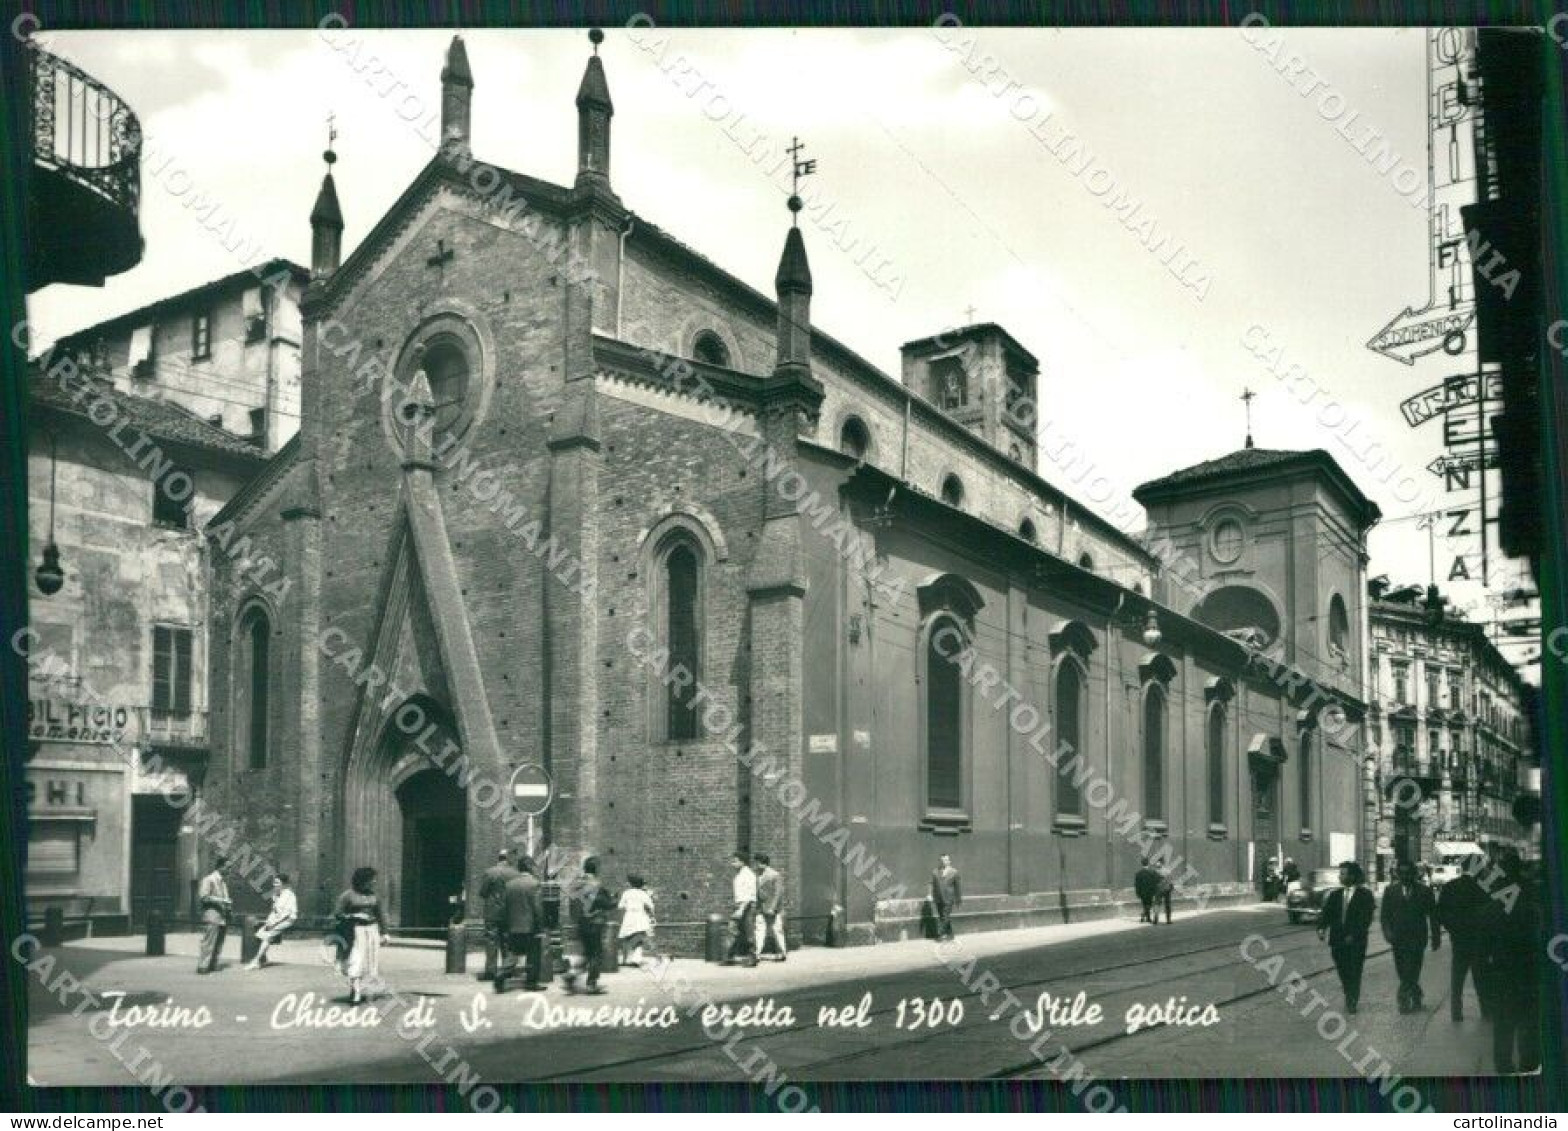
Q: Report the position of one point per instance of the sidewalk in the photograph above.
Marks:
(424, 961)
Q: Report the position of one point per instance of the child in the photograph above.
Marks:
(636, 920)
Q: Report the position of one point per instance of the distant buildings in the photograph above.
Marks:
(140, 429)
(1451, 719)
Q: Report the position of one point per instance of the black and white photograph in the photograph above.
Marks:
(785, 556)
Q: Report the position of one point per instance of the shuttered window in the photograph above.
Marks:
(171, 670)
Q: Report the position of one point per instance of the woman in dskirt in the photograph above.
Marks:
(358, 914)
(636, 920)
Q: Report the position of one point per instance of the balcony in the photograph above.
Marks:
(85, 192)
(170, 731)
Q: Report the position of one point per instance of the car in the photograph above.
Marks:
(1304, 900)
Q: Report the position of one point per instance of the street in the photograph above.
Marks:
(896, 1011)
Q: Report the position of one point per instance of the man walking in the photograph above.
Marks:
(1409, 918)
(744, 892)
(1514, 933)
(1461, 907)
(1346, 920)
(522, 918)
(947, 893)
(492, 897)
(212, 896)
(1146, 885)
(591, 906)
(770, 907)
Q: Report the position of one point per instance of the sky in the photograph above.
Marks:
(935, 194)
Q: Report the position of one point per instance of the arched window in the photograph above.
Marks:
(1216, 765)
(252, 686)
(1305, 770)
(953, 491)
(1338, 628)
(1086, 561)
(945, 714)
(710, 348)
(1154, 752)
(1027, 532)
(682, 635)
(854, 438)
(446, 368)
(1071, 699)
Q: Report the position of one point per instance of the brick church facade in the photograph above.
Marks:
(567, 493)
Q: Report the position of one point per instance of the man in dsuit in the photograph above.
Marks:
(1146, 885)
(492, 896)
(1409, 918)
(1461, 908)
(522, 907)
(947, 893)
(1346, 920)
(770, 906)
(212, 896)
(1513, 932)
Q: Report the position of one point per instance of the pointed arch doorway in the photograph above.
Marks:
(406, 815)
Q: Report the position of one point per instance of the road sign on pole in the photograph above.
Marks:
(532, 792)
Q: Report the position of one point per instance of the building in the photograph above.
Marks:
(140, 429)
(568, 494)
(1449, 716)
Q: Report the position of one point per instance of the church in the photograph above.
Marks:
(568, 494)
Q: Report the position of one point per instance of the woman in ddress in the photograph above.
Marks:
(636, 920)
(358, 914)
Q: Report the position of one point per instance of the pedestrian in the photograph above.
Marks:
(1290, 874)
(1346, 921)
(212, 896)
(1270, 881)
(1163, 897)
(521, 921)
(285, 910)
(947, 892)
(1146, 885)
(770, 908)
(636, 928)
(360, 923)
(1461, 908)
(492, 898)
(744, 897)
(1513, 932)
(590, 906)
(1409, 918)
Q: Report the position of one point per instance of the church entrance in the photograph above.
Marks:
(435, 847)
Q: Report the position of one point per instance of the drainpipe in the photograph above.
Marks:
(620, 272)
(1111, 645)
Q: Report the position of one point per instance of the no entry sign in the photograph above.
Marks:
(531, 789)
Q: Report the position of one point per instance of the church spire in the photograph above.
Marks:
(326, 218)
(457, 96)
(594, 111)
(793, 280)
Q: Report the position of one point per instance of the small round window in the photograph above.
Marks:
(1227, 540)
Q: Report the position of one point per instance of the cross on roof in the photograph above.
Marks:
(969, 313)
(1247, 396)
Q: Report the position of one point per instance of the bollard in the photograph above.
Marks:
(836, 926)
(53, 933)
(155, 933)
(611, 962)
(249, 943)
(456, 948)
(713, 944)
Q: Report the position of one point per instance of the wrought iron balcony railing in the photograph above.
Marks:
(86, 191)
(84, 130)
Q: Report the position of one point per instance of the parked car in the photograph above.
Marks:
(1304, 901)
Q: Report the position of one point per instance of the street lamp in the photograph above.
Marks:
(49, 576)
